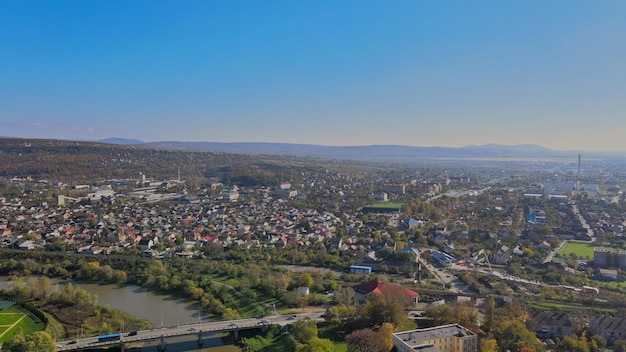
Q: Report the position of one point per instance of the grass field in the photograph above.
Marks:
(388, 205)
(581, 250)
(14, 318)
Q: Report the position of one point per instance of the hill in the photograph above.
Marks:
(372, 152)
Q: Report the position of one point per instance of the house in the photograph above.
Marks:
(550, 324)
(443, 258)
(608, 273)
(145, 243)
(358, 269)
(544, 245)
(612, 328)
(445, 338)
(27, 245)
(362, 292)
(413, 251)
(501, 256)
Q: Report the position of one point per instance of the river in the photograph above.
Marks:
(160, 310)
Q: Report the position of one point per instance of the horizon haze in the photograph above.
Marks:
(351, 73)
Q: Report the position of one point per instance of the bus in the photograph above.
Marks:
(109, 337)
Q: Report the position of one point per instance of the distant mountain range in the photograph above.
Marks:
(373, 152)
(122, 141)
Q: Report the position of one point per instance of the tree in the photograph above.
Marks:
(316, 345)
(304, 331)
(464, 314)
(619, 346)
(598, 342)
(230, 314)
(386, 334)
(513, 335)
(306, 280)
(489, 345)
(365, 340)
(490, 308)
(39, 341)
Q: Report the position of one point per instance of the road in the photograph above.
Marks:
(443, 275)
(190, 329)
(554, 252)
(583, 222)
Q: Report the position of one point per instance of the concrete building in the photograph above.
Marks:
(446, 338)
(359, 269)
(609, 258)
(395, 188)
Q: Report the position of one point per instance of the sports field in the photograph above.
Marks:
(581, 250)
(13, 318)
(386, 205)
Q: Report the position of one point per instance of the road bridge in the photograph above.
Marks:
(198, 329)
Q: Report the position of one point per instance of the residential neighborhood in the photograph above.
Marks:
(447, 237)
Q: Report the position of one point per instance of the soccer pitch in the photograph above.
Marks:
(13, 319)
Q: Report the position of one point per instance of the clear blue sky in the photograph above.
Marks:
(415, 72)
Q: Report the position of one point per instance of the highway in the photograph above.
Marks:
(190, 329)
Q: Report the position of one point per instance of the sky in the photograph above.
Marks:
(414, 72)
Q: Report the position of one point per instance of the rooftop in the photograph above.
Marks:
(415, 338)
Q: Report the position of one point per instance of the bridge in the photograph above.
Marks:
(198, 329)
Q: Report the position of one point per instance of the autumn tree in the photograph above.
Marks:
(386, 334)
(512, 335)
(365, 340)
(489, 345)
(306, 280)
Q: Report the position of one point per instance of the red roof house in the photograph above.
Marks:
(390, 292)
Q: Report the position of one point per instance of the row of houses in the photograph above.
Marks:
(558, 325)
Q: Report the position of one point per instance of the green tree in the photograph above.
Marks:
(304, 331)
(316, 345)
(489, 316)
(230, 314)
(39, 341)
(619, 346)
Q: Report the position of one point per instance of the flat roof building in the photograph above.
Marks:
(445, 338)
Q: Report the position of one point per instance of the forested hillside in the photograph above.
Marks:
(86, 162)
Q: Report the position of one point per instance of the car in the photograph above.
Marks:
(233, 324)
(132, 333)
(263, 322)
(72, 342)
(59, 345)
(291, 317)
(193, 328)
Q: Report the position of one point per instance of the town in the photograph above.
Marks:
(443, 238)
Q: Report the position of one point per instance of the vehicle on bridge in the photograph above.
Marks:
(109, 337)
